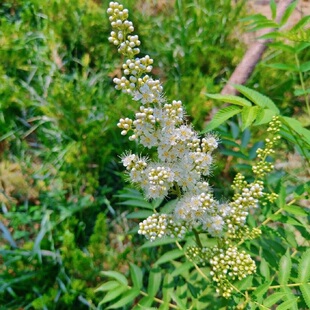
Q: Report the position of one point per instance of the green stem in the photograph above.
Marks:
(196, 266)
(198, 241)
(277, 212)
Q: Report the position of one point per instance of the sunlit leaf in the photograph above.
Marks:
(257, 98)
(107, 286)
(262, 289)
(304, 67)
(137, 203)
(264, 269)
(221, 116)
(183, 268)
(127, 298)
(115, 293)
(115, 275)
(178, 301)
(144, 304)
(285, 267)
(169, 256)
(264, 116)
(245, 283)
(288, 304)
(304, 267)
(273, 299)
(136, 276)
(296, 210)
(305, 289)
(273, 7)
(142, 214)
(154, 281)
(157, 242)
(248, 116)
(288, 12)
(231, 99)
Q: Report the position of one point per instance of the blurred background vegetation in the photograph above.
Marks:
(61, 220)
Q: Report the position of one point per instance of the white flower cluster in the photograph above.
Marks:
(183, 162)
(184, 159)
(203, 210)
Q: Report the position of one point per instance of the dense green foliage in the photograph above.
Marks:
(65, 217)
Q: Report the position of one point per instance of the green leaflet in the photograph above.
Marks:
(137, 203)
(297, 127)
(244, 283)
(282, 66)
(231, 99)
(183, 268)
(157, 242)
(301, 92)
(289, 296)
(274, 298)
(304, 267)
(285, 267)
(178, 301)
(248, 116)
(142, 214)
(234, 153)
(305, 66)
(136, 276)
(126, 298)
(301, 23)
(221, 116)
(169, 256)
(113, 294)
(107, 286)
(115, 275)
(288, 12)
(288, 304)
(262, 289)
(264, 269)
(144, 303)
(296, 210)
(154, 282)
(257, 98)
(305, 289)
(273, 8)
(167, 288)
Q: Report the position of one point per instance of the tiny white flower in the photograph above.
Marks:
(144, 94)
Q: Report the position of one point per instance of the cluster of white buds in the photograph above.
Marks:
(227, 264)
(160, 225)
(159, 181)
(264, 166)
(242, 202)
(125, 124)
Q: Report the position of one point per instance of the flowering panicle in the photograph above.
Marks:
(227, 264)
(184, 160)
(183, 157)
(263, 166)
